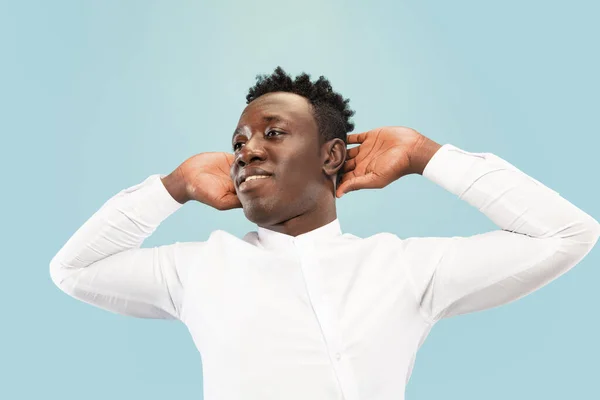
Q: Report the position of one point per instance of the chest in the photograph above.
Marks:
(299, 301)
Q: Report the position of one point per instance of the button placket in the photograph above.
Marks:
(326, 318)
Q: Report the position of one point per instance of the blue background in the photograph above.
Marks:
(97, 95)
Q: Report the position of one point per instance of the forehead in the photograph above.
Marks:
(292, 108)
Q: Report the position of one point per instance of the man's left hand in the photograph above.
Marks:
(384, 155)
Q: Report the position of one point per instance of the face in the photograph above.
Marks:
(277, 136)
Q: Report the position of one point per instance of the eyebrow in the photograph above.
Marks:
(265, 118)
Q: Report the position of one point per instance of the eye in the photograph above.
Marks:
(268, 134)
(236, 145)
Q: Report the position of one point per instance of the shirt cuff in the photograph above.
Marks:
(456, 170)
(152, 201)
(449, 167)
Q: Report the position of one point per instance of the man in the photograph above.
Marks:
(298, 309)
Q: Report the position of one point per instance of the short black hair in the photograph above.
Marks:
(330, 110)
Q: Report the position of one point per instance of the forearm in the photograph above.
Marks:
(542, 236)
(123, 222)
(102, 263)
(512, 199)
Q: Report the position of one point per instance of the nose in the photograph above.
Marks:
(249, 153)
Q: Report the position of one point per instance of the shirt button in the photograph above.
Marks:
(338, 356)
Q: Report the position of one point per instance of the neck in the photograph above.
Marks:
(305, 222)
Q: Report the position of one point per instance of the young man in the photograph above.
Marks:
(298, 309)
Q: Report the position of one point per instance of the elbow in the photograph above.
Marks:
(591, 231)
(595, 228)
(582, 236)
(581, 230)
(60, 274)
(57, 273)
(595, 232)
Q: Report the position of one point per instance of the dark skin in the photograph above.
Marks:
(299, 193)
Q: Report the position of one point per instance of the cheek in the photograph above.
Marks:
(301, 170)
(297, 163)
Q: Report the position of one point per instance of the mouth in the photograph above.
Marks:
(253, 182)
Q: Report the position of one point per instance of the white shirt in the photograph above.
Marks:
(324, 315)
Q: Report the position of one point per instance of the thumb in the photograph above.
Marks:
(359, 182)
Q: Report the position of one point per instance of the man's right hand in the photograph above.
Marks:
(205, 178)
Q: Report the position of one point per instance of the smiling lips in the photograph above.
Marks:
(250, 182)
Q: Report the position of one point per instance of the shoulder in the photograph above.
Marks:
(217, 239)
(381, 238)
(349, 242)
(390, 242)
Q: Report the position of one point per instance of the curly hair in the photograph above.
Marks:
(329, 108)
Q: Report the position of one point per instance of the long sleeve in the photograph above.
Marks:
(541, 237)
(102, 263)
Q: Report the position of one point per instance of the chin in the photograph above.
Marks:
(261, 214)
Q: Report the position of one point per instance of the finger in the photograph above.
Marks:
(349, 165)
(356, 138)
(353, 152)
(345, 178)
(360, 182)
(230, 202)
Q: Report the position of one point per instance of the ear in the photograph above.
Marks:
(334, 156)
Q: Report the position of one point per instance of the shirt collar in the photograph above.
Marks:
(273, 240)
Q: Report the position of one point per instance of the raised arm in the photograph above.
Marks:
(541, 237)
(541, 234)
(102, 263)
